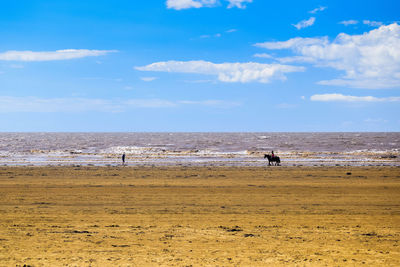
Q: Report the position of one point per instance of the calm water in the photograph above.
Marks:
(238, 149)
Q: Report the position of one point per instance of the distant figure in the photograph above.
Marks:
(272, 158)
(123, 159)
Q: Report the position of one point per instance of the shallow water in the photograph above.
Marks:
(221, 149)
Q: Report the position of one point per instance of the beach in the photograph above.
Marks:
(194, 216)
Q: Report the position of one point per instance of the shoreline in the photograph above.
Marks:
(198, 162)
(193, 167)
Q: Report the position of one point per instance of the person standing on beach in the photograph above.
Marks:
(123, 159)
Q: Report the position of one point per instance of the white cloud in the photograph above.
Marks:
(304, 23)
(295, 59)
(294, 43)
(363, 82)
(51, 55)
(238, 3)
(185, 4)
(76, 105)
(262, 55)
(318, 9)
(349, 98)
(366, 22)
(372, 23)
(148, 79)
(370, 60)
(231, 30)
(226, 72)
(349, 22)
(205, 36)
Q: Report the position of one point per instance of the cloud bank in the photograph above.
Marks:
(226, 72)
(349, 98)
(77, 105)
(370, 60)
(52, 55)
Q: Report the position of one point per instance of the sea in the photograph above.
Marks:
(200, 149)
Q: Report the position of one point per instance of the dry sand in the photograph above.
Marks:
(115, 216)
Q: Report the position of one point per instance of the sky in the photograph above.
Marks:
(199, 66)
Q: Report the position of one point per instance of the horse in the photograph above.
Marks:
(275, 159)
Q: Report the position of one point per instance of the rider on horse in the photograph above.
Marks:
(272, 158)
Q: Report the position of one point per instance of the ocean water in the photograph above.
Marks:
(200, 149)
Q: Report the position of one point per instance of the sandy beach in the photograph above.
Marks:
(181, 216)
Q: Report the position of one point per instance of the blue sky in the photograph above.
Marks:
(200, 65)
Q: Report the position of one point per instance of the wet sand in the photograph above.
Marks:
(131, 216)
